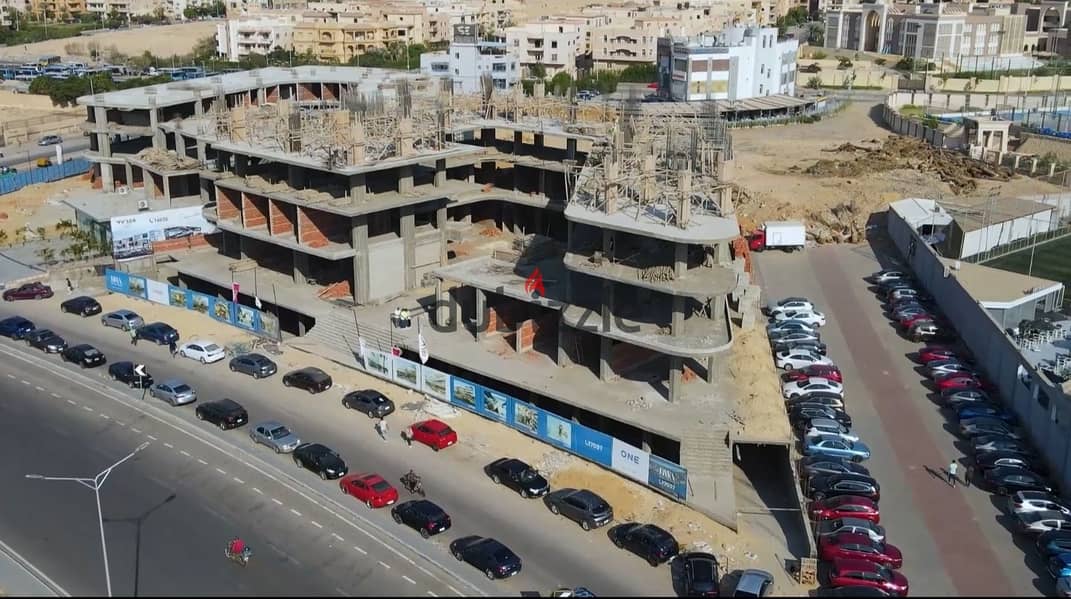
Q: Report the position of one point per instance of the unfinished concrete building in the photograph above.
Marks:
(576, 257)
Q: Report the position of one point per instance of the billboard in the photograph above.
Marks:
(435, 383)
(156, 291)
(406, 373)
(134, 234)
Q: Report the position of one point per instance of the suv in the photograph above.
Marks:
(224, 413)
(645, 540)
(700, 574)
(581, 506)
(369, 401)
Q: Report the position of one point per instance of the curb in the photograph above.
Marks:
(31, 572)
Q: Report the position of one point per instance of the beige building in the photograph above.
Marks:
(629, 33)
(554, 43)
(257, 32)
(56, 8)
(125, 8)
(334, 36)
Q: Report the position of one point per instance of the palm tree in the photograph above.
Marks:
(3, 236)
(47, 255)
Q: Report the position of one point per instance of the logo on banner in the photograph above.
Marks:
(422, 344)
(631, 461)
(534, 284)
(234, 292)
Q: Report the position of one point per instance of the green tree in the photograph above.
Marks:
(814, 83)
(3, 237)
(560, 83)
(537, 71)
(639, 73)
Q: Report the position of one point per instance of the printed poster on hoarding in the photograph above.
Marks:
(379, 363)
(407, 373)
(156, 291)
(221, 309)
(434, 382)
(631, 461)
(559, 431)
(526, 417)
(134, 234)
(495, 404)
(176, 296)
(245, 317)
(463, 393)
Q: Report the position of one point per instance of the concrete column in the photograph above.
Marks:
(442, 304)
(564, 337)
(158, 140)
(167, 188)
(361, 278)
(241, 165)
(198, 107)
(358, 188)
(301, 267)
(405, 179)
(202, 152)
(518, 141)
(680, 259)
(440, 172)
(570, 148)
(606, 346)
(180, 144)
(440, 223)
(107, 177)
(262, 95)
(677, 322)
(481, 314)
(676, 378)
(295, 176)
(408, 226)
(471, 177)
(129, 175)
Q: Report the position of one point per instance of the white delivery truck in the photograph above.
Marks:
(787, 235)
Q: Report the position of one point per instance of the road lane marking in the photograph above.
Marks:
(221, 471)
(184, 452)
(335, 534)
(25, 382)
(57, 395)
(10, 376)
(259, 492)
(276, 501)
(39, 388)
(120, 423)
(87, 408)
(363, 552)
(32, 570)
(238, 480)
(152, 437)
(131, 428)
(411, 581)
(71, 402)
(169, 446)
(432, 594)
(295, 512)
(384, 564)
(105, 416)
(459, 593)
(316, 524)
(202, 462)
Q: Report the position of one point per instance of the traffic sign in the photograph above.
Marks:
(139, 369)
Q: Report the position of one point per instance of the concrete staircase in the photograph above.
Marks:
(337, 330)
(710, 472)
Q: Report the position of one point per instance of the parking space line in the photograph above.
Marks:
(432, 594)
(221, 471)
(169, 446)
(384, 564)
(105, 416)
(57, 395)
(184, 452)
(335, 534)
(39, 388)
(238, 480)
(316, 524)
(10, 376)
(276, 501)
(87, 408)
(131, 428)
(25, 382)
(295, 512)
(71, 402)
(120, 423)
(152, 437)
(411, 581)
(363, 552)
(259, 492)
(202, 462)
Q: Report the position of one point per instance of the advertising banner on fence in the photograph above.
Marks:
(407, 373)
(156, 291)
(435, 383)
(246, 317)
(558, 430)
(464, 394)
(199, 302)
(222, 309)
(526, 418)
(668, 477)
(117, 281)
(379, 363)
(133, 234)
(593, 445)
(631, 461)
(177, 296)
(497, 405)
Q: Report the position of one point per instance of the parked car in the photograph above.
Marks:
(974, 427)
(159, 333)
(84, 355)
(422, 516)
(123, 372)
(46, 341)
(909, 312)
(790, 304)
(815, 347)
(779, 330)
(908, 292)
(943, 368)
(370, 489)
(1053, 543)
(370, 402)
(859, 546)
(224, 413)
(436, 434)
(1063, 586)
(15, 327)
(645, 540)
(310, 379)
(834, 446)
(174, 391)
(845, 506)
(753, 583)
(910, 320)
(982, 410)
(875, 532)
(816, 400)
(487, 555)
(1023, 502)
(82, 305)
(954, 398)
(887, 275)
(1059, 565)
(805, 316)
(122, 319)
(1035, 523)
(28, 291)
(518, 476)
(989, 443)
(825, 371)
(811, 466)
(814, 384)
(203, 350)
(857, 572)
(700, 573)
(930, 353)
(257, 366)
(797, 358)
(50, 140)
(275, 435)
(1001, 459)
(831, 485)
(792, 339)
(923, 330)
(320, 459)
(826, 427)
(801, 415)
(581, 506)
(852, 590)
(1006, 481)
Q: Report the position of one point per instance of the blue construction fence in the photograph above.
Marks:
(223, 310)
(70, 168)
(590, 444)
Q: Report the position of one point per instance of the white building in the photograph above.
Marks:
(256, 34)
(552, 43)
(470, 59)
(736, 64)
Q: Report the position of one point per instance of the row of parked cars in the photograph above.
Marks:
(1001, 459)
(844, 496)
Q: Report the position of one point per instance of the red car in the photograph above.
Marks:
(28, 291)
(436, 434)
(907, 321)
(938, 352)
(859, 547)
(824, 371)
(370, 489)
(958, 380)
(845, 506)
(859, 572)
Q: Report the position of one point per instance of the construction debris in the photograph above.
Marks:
(166, 160)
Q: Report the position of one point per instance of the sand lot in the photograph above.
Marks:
(163, 40)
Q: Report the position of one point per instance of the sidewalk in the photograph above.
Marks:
(19, 578)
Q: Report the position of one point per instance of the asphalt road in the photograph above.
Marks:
(22, 156)
(555, 551)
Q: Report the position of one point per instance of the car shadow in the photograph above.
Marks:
(1033, 560)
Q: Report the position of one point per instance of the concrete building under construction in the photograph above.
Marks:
(577, 257)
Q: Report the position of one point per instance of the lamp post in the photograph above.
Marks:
(96, 483)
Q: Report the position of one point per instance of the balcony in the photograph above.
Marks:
(700, 337)
(653, 272)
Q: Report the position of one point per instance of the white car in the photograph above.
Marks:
(815, 384)
(888, 276)
(791, 304)
(791, 359)
(204, 350)
(809, 317)
(1036, 523)
(1037, 501)
(829, 427)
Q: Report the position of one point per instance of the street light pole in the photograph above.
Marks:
(96, 483)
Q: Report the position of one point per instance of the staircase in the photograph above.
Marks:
(338, 330)
(710, 472)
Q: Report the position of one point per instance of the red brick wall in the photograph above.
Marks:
(280, 222)
(182, 243)
(531, 329)
(227, 203)
(504, 317)
(740, 250)
(308, 232)
(273, 94)
(330, 91)
(336, 290)
(255, 210)
(308, 91)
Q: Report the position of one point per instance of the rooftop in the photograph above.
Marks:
(701, 229)
(102, 206)
(917, 212)
(998, 289)
(981, 213)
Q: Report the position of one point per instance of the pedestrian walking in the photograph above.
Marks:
(381, 428)
(952, 468)
(968, 474)
(407, 434)
(173, 347)
(133, 336)
(70, 286)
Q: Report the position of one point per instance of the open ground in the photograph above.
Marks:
(161, 40)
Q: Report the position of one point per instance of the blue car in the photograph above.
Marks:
(1060, 565)
(15, 327)
(986, 410)
(836, 446)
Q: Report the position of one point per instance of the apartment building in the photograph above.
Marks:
(735, 64)
(256, 33)
(124, 8)
(470, 59)
(555, 43)
(9, 7)
(926, 31)
(340, 36)
(1043, 17)
(629, 33)
(56, 8)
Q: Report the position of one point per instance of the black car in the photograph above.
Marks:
(124, 373)
(827, 400)
(84, 355)
(15, 327)
(82, 305)
(310, 379)
(422, 516)
(369, 401)
(255, 365)
(645, 540)
(989, 443)
(320, 459)
(158, 332)
(224, 413)
(1006, 481)
(820, 465)
(804, 413)
(581, 506)
(859, 485)
(1008, 459)
(489, 556)
(518, 476)
(700, 572)
(46, 341)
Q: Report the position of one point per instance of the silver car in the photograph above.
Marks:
(122, 319)
(276, 436)
(174, 392)
(255, 365)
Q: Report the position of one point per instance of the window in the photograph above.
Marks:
(554, 44)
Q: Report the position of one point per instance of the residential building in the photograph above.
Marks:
(124, 8)
(9, 7)
(628, 34)
(340, 36)
(735, 64)
(1043, 17)
(555, 44)
(256, 33)
(54, 9)
(469, 60)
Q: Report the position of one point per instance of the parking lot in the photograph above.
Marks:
(953, 539)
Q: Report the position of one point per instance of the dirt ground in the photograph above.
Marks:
(770, 169)
(760, 411)
(163, 40)
(37, 205)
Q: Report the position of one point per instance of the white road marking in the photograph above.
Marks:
(316, 524)
(32, 570)
(411, 581)
(259, 492)
(184, 452)
(27, 383)
(10, 376)
(169, 446)
(120, 423)
(459, 593)
(105, 416)
(152, 437)
(363, 552)
(87, 408)
(335, 534)
(57, 395)
(432, 594)
(221, 471)
(39, 388)
(238, 480)
(71, 402)
(202, 462)
(384, 564)
(131, 428)
(276, 501)
(295, 512)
